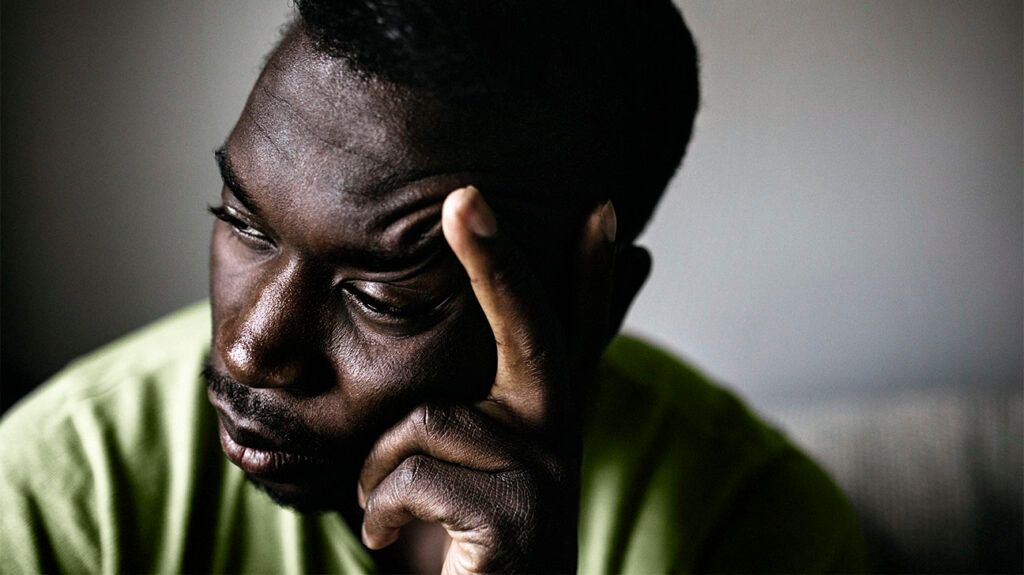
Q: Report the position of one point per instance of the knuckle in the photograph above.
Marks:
(375, 506)
(372, 508)
(518, 488)
(516, 523)
(409, 472)
(432, 422)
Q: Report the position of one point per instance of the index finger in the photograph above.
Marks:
(533, 358)
(523, 329)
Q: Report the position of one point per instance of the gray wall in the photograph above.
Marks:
(111, 113)
(849, 218)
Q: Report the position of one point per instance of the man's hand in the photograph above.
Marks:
(502, 476)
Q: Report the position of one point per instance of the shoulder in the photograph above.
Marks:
(75, 445)
(112, 386)
(143, 354)
(787, 517)
(647, 395)
(676, 464)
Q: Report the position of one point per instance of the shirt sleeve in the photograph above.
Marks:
(46, 524)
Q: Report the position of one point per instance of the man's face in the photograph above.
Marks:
(337, 304)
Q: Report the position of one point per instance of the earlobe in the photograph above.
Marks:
(632, 268)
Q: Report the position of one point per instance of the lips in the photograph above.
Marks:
(270, 464)
(259, 453)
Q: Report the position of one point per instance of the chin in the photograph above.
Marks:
(302, 497)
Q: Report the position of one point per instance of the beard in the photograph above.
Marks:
(327, 478)
(248, 403)
(304, 503)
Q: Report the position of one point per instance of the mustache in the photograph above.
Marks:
(249, 403)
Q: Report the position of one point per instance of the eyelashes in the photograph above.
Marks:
(242, 229)
(420, 310)
(382, 308)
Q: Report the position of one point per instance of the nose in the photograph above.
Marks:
(273, 340)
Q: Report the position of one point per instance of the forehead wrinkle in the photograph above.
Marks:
(267, 135)
(385, 173)
(329, 142)
(344, 150)
(352, 231)
(331, 94)
(402, 135)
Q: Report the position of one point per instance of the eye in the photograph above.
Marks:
(243, 230)
(393, 311)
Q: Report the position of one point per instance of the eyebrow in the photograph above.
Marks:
(423, 251)
(227, 173)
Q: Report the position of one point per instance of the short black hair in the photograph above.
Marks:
(627, 68)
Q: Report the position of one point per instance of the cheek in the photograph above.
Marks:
(220, 290)
(231, 277)
(228, 277)
(377, 379)
(388, 377)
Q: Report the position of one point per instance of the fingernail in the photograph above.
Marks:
(479, 216)
(609, 222)
(361, 496)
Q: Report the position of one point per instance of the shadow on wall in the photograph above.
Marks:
(935, 475)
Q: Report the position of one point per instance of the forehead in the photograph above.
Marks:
(319, 144)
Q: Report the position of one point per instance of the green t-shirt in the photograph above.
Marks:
(115, 466)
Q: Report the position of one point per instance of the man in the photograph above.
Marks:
(424, 247)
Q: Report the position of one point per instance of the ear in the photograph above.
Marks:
(632, 268)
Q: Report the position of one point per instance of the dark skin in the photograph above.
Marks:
(406, 316)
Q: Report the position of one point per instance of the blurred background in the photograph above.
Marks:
(844, 246)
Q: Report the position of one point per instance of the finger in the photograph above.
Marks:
(424, 488)
(454, 434)
(510, 300)
(595, 266)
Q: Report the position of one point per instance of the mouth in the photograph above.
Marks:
(293, 465)
(259, 452)
(264, 458)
